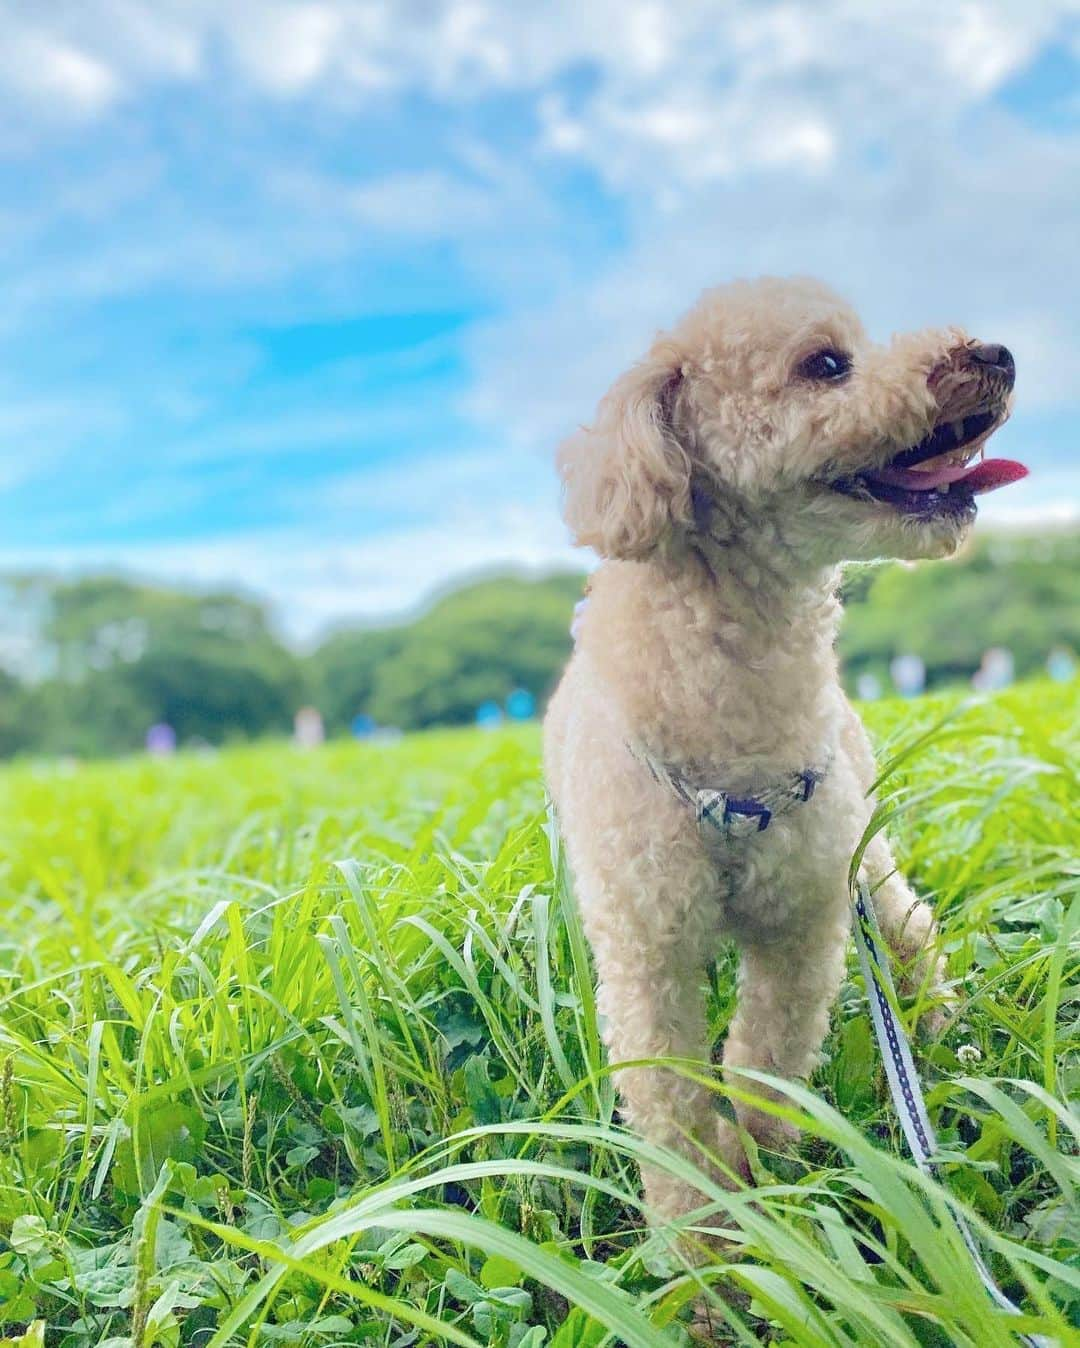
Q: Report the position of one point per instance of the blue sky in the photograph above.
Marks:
(301, 296)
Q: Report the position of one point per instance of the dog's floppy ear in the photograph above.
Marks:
(626, 479)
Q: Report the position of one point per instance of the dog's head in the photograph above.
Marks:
(768, 398)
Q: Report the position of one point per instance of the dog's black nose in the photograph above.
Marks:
(997, 357)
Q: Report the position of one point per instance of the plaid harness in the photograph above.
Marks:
(733, 817)
(719, 812)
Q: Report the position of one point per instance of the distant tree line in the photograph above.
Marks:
(118, 657)
(109, 658)
(1017, 591)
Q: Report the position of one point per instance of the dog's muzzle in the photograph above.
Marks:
(942, 474)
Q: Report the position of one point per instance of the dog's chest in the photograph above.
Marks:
(713, 706)
(770, 881)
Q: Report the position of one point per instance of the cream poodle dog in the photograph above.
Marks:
(709, 775)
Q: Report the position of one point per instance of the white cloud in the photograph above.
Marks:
(426, 204)
(57, 77)
(435, 484)
(1043, 500)
(978, 234)
(73, 75)
(284, 48)
(981, 45)
(36, 433)
(712, 50)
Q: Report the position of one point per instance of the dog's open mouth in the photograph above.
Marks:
(942, 474)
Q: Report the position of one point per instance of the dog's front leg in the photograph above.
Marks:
(648, 926)
(906, 921)
(656, 1009)
(909, 928)
(786, 987)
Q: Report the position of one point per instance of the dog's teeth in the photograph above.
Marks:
(957, 428)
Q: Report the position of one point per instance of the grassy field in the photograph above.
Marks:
(301, 1049)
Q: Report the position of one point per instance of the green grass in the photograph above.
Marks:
(301, 1049)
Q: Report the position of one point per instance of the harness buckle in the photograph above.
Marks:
(746, 816)
(730, 816)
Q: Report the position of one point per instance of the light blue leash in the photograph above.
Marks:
(904, 1081)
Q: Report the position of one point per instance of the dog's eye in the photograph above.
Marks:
(827, 364)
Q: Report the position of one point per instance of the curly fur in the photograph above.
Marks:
(708, 640)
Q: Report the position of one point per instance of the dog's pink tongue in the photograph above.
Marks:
(980, 477)
(993, 473)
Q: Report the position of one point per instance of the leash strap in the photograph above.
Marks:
(904, 1081)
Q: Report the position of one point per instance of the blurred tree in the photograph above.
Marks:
(130, 655)
(16, 727)
(474, 645)
(1014, 591)
(343, 671)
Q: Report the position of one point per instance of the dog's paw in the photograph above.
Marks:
(938, 1015)
(732, 1154)
(707, 1326)
(768, 1131)
(708, 1323)
(924, 979)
